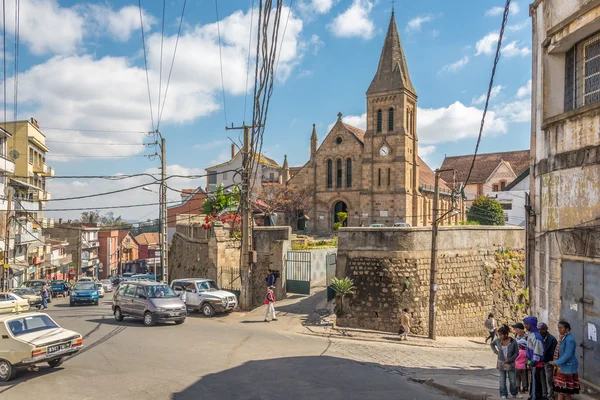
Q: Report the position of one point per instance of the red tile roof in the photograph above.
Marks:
(359, 133)
(148, 238)
(427, 176)
(485, 164)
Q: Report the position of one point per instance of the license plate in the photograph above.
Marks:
(58, 347)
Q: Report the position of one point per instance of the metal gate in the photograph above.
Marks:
(229, 279)
(581, 307)
(298, 272)
(331, 261)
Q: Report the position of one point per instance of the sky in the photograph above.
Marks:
(81, 75)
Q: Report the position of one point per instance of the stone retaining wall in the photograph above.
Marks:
(476, 274)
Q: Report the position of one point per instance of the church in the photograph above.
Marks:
(375, 176)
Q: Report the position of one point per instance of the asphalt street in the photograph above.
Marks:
(233, 356)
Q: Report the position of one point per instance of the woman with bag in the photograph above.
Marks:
(566, 380)
(507, 350)
(270, 302)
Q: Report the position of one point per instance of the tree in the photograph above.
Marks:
(486, 211)
(270, 199)
(292, 200)
(342, 216)
(342, 288)
(90, 217)
(109, 219)
(221, 201)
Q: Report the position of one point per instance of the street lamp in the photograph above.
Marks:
(147, 189)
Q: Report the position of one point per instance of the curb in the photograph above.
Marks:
(404, 343)
(450, 391)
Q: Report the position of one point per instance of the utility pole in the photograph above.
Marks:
(164, 246)
(79, 244)
(6, 242)
(433, 269)
(248, 256)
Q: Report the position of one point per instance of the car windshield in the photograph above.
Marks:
(30, 324)
(208, 285)
(155, 291)
(24, 291)
(33, 284)
(85, 286)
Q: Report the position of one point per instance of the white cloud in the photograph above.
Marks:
(524, 91)
(61, 188)
(359, 121)
(518, 27)
(513, 50)
(487, 44)
(119, 24)
(455, 122)
(46, 27)
(111, 93)
(425, 151)
(516, 111)
(494, 11)
(355, 21)
(494, 93)
(316, 6)
(415, 23)
(456, 66)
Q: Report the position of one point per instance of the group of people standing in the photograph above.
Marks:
(534, 361)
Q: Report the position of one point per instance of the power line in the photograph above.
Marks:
(490, 88)
(93, 130)
(221, 62)
(146, 62)
(98, 143)
(162, 39)
(172, 63)
(248, 62)
(84, 156)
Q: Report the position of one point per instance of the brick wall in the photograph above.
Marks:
(476, 275)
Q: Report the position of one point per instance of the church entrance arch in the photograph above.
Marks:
(338, 207)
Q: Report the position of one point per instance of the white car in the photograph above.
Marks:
(33, 338)
(12, 303)
(100, 289)
(205, 296)
(107, 285)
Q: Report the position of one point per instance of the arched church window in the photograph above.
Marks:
(349, 173)
(339, 174)
(391, 119)
(379, 121)
(329, 174)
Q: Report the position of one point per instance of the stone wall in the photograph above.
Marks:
(480, 270)
(272, 244)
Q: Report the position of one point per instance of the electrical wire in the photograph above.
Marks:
(490, 88)
(172, 63)
(221, 62)
(97, 143)
(248, 62)
(85, 156)
(146, 62)
(162, 40)
(94, 130)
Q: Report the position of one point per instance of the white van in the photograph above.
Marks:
(205, 296)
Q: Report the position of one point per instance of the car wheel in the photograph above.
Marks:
(208, 310)
(55, 363)
(118, 314)
(149, 319)
(7, 371)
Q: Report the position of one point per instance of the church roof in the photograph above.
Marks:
(485, 165)
(427, 176)
(392, 71)
(359, 133)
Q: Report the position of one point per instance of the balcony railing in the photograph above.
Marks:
(27, 237)
(88, 244)
(43, 169)
(7, 165)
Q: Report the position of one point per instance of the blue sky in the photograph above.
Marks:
(81, 67)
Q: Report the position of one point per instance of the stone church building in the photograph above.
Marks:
(376, 176)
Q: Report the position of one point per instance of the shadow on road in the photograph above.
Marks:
(129, 323)
(23, 376)
(313, 377)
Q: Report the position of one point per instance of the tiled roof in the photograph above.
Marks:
(359, 133)
(485, 164)
(427, 176)
(148, 238)
(187, 191)
(262, 159)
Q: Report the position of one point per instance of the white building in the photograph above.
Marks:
(514, 199)
(228, 173)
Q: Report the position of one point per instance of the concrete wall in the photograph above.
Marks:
(476, 275)
(318, 263)
(272, 244)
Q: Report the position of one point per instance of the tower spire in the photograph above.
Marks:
(392, 71)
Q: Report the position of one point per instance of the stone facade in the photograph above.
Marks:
(480, 270)
(376, 176)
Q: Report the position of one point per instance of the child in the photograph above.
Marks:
(521, 366)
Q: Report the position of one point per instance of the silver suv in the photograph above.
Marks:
(205, 296)
(150, 301)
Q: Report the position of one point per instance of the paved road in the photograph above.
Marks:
(227, 357)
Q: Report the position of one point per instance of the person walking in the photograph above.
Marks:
(507, 351)
(271, 279)
(548, 370)
(566, 380)
(270, 302)
(404, 324)
(521, 367)
(535, 355)
(44, 297)
(490, 325)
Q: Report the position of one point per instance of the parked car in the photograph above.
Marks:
(401, 225)
(33, 338)
(205, 296)
(377, 226)
(87, 279)
(107, 285)
(36, 284)
(151, 301)
(12, 303)
(84, 293)
(58, 287)
(100, 289)
(34, 299)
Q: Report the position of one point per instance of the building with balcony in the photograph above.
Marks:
(191, 205)
(83, 245)
(58, 261)
(128, 253)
